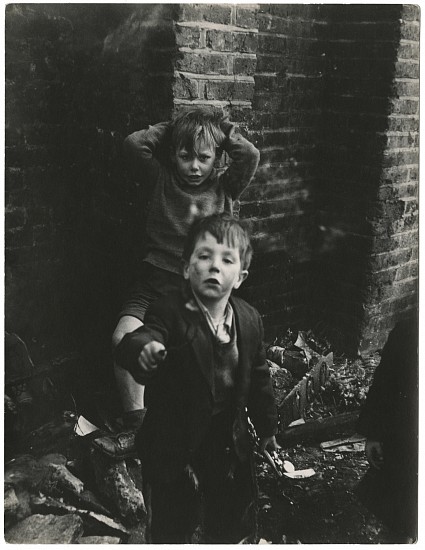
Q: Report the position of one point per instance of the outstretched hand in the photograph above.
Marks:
(374, 453)
(151, 355)
(269, 444)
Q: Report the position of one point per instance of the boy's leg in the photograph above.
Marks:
(175, 508)
(132, 399)
(131, 393)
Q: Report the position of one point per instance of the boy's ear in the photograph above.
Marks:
(185, 269)
(242, 276)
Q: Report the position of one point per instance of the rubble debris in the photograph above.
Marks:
(99, 540)
(50, 529)
(53, 458)
(354, 443)
(25, 471)
(294, 404)
(59, 479)
(89, 500)
(42, 504)
(93, 523)
(294, 359)
(11, 505)
(117, 486)
(282, 381)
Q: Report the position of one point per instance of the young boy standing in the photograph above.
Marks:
(201, 357)
(184, 186)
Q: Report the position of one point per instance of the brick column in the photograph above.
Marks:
(393, 267)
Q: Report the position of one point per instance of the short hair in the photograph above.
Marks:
(225, 228)
(195, 125)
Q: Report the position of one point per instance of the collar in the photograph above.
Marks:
(222, 329)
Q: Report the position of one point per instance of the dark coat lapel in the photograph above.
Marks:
(246, 335)
(200, 340)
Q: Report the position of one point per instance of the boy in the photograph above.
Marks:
(182, 187)
(201, 357)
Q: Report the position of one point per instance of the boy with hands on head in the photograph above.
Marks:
(201, 356)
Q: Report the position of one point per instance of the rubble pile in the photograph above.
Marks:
(54, 499)
(58, 488)
(309, 383)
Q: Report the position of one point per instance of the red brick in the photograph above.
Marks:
(405, 106)
(406, 69)
(185, 88)
(407, 88)
(411, 12)
(214, 13)
(234, 90)
(410, 30)
(245, 42)
(208, 63)
(246, 18)
(409, 51)
(190, 37)
(244, 65)
(407, 271)
(403, 124)
(400, 158)
(219, 40)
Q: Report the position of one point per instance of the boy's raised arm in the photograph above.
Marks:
(245, 158)
(145, 149)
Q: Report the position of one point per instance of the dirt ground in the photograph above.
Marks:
(320, 509)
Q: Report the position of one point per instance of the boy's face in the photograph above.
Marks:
(194, 168)
(214, 270)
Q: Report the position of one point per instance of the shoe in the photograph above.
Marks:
(117, 446)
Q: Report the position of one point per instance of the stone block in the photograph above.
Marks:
(50, 529)
(115, 484)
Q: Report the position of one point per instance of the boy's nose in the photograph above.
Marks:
(195, 165)
(215, 265)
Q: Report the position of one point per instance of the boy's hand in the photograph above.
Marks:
(227, 127)
(153, 353)
(374, 453)
(269, 443)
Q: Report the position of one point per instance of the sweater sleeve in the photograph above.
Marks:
(146, 150)
(245, 158)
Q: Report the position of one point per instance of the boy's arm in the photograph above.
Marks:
(245, 157)
(147, 149)
(129, 350)
(261, 404)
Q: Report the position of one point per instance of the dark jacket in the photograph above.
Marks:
(179, 396)
(390, 416)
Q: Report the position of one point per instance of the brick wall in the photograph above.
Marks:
(79, 78)
(328, 93)
(366, 195)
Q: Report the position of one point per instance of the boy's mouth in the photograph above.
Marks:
(212, 281)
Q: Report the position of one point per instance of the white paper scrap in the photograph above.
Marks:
(84, 426)
(300, 474)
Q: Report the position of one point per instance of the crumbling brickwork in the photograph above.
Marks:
(329, 94)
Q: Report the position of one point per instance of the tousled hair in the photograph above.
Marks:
(224, 228)
(195, 126)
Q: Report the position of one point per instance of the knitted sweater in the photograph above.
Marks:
(173, 204)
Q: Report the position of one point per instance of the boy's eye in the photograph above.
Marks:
(203, 256)
(228, 261)
(204, 158)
